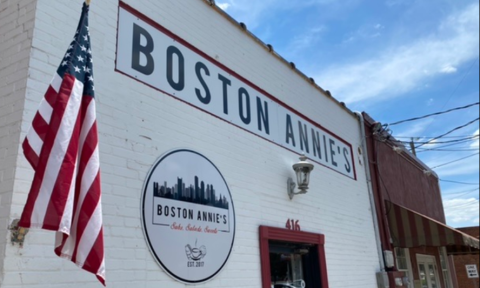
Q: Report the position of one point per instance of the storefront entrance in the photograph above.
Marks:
(293, 265)
(427, 269)
(292, 259)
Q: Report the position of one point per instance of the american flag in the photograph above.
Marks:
(62, 147)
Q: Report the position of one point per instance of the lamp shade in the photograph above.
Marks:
(302, 170)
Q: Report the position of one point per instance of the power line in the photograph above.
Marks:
(447, 150)
(434, 114)
(442, 142)
(456, 88)
(455, 161)
(453, 144)
(462, 192)
(456, 182)
(461, 195)
(421, 137)
(450, 132)
(466, 204)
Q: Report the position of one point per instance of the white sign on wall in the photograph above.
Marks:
(188, 216)
(153, 55)
(472, 271)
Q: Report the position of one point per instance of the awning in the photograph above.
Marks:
(410, 229)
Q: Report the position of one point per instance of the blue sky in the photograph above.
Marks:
(395, 59)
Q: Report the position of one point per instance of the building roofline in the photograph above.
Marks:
(394, 143)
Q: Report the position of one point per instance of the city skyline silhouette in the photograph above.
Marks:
(196, 193)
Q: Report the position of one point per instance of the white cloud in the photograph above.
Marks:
(306, 40)
(462, 212)
(365, 32)
(448, 69)
(224, 6)
(401, 69)
(251, 12)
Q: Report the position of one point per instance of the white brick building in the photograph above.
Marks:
(138, 123)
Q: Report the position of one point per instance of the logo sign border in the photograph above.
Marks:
(145, 232)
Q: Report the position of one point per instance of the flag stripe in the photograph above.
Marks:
(40, 125)
(87, 240)
(30, 154)
(37, 134)
(89, 128)
(86, 157)
(85, 208)
(62, 127)
(46, 108)
(96, 259)
(82, 210)
(55, 84)
(35, 208)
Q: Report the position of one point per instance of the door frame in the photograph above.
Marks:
(429, 259)
(276, 234)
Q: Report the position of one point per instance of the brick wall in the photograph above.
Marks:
(138, 124)
(16, 31)
(463, 260)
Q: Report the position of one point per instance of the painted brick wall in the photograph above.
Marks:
(16, 30)
(138, 124)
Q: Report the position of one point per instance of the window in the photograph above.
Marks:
(402, 261)
(402, 257)
(292, 259)
(443, 262)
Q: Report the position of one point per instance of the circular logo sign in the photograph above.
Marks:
(188, 216)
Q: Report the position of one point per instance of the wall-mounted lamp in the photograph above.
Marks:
(302, 170)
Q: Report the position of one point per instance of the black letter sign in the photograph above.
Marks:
(242, 93)
(198, 69)
(146, 50)
(226, 82)
(180, 84)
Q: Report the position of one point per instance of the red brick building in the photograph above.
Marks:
(462, 261)
(416, 242)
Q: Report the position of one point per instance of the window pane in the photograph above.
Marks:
(403, 265)
(433, 279)
(423, 276)
(445, 276)
(442, 259)
(400, 252)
